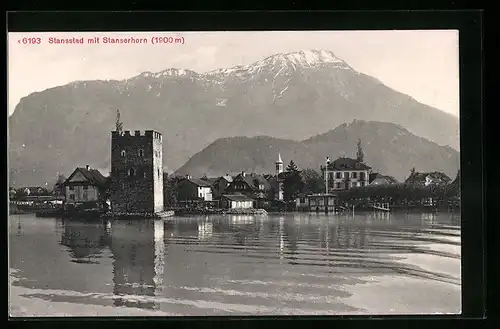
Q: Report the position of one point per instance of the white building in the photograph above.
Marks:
(345, 173)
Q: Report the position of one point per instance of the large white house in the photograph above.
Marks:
(345, 173)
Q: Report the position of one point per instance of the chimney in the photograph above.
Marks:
(188, 176)
(87, 167)
(243, 173)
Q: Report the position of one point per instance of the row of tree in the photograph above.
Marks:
(16, 194)
(296, 182)
(401, 193)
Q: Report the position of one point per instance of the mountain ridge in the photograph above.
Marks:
(390, 149)
(63, 127)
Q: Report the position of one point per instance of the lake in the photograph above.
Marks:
(284, 264)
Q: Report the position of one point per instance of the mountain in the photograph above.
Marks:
(287, 96)
(389, 149)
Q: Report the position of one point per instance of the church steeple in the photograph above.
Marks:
(279, 180)
(279, 164)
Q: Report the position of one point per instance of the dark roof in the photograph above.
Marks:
(237, 197)
(347, 164)
(228, 178)
(388, 179)
(419, 178)
(268, 176)
(200, 182)
(391, 179)
(33, 188)
(92, 175)
(372, 176)
(211, 180)
(254, 180)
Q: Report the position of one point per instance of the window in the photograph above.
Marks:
(362, 176)
(354, 175)
(338, 185)
(71, 188)
(72, 197)
(123, 153)
(85, 196)
(158, 173)
(131, 172)
(346, 174)
(141, 153)
(85, 187)
(363, 184)
(302, 200)
(145, 175)
(337, 175)
(330, 177)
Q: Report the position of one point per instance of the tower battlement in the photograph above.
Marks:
(137, 133)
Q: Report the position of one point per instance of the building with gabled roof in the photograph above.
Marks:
(220, 185)
(428, 178)
(345, 173)
(194, 189)
(85, 185)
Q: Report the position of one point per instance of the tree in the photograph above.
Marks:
(412, 171)
(170, 190)
(292, 167)
(360, 156)
(119, 124)
(292, 183)
(313, 181)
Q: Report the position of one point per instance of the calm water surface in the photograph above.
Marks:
(236, 265)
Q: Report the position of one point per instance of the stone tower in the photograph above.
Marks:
(279, 170)
(136, 172)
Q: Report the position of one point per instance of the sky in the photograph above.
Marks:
(421, 64)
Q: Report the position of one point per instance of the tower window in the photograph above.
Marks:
(158, 173)
(131, 172)
(123, 153)
(141, 153)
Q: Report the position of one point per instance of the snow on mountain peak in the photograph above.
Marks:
(171, 72)
(312, 57)
(305, 58)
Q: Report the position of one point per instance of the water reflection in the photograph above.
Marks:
(281, 238)
(215, 253)
(137, 249)
(84, 240)
(205, 229)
